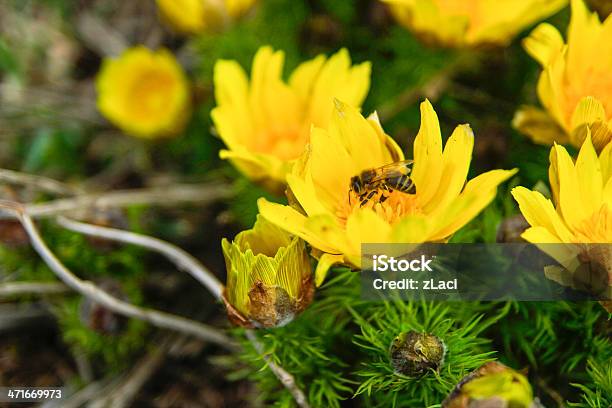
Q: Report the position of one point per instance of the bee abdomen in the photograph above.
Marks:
(401, 183)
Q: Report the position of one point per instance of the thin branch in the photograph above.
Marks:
(88, 289)
(285, 378)
(185, 261)
(38, 182)
(431, 89)
(12, 289)
(180, 258)
(162, 196)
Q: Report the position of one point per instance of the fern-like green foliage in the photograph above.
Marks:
(598, 392)
(465, 351)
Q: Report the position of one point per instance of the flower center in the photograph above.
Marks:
(390, 206)
(466, 8)
(285, 143)
(597, 82)
(151, 95)
(597, 228)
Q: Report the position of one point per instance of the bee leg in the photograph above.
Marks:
(383, 198)
(368, 197)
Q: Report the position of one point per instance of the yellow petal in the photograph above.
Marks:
(456, 160)
(544, 43)
(605, 162)
(365, 226)
(258, 167)
(394, 149)
(304, 76)
(476, 195)
(607, 193)
(327, 156)
(293, 266)
(326, 261)
(427, 155)
(540, 235)
(292, 221)
(601, 133)
(582, 38)
(538, 125)
(338, 79)
(539, 212)
(588, 172)
(553, 176)
(359, 139)
(551, 90)
(306, 194)
(412, 230)
(570, 202)
(588, 110)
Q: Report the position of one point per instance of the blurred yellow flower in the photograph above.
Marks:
(580, 213)
(265, 123)
(145, 93)
(458, 23)
(197, 16)
(329, 216)
(269, 276)
(575, 86)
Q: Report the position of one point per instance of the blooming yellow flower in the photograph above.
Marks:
(580, 212)
(575, 86)
(269, 276)
(197, 16)
(582, 199)
(458, 23)
(145, 93)
(330, 217)
(265, 123)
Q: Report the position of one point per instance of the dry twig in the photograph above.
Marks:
(284, 377)
(88, 289)
(12, 289)
(186, 262)
(38, 182)
(181, 259)
(162, 196)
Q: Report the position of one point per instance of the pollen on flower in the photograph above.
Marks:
(390, 206)
(596, 228)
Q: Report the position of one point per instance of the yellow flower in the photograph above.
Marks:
(269, 276)
(582, 199)
(197, 16)
(458, 23)
(265, 123)
(330, 217)
(144, 93)
(575, 86)
(580, 212)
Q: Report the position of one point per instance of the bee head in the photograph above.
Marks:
(356, 184)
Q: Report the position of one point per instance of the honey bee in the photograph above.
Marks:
(382, 180)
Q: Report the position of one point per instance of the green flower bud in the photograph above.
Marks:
(493, 385)
(413, 354)
(269, 276)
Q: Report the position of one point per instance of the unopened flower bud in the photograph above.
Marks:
(493, 385)
(269, 276)
(413, 354)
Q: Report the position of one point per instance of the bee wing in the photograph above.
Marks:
(400, 168)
